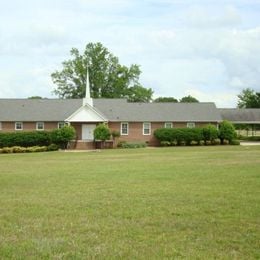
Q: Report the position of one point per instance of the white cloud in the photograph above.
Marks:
(204, 17)
(221, 100)
(182, 46)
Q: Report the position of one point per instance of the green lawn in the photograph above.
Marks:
(183, 202)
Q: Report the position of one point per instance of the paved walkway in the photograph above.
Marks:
(249, 143)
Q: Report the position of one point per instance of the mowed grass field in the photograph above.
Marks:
(183, 202)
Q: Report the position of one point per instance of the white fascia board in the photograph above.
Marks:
(86, 114)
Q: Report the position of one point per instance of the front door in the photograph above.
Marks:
(88, 132)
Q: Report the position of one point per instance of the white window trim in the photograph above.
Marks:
(191, 125)
(167, 123)
(147, 123)
(58, 125)
(121, 128)
(0, 125)
(18, 129)
(37, 127)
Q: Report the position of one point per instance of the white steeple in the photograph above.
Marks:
(87, 100)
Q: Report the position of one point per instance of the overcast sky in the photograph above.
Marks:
(205, 48)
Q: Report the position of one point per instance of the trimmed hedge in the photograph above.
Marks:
(25, 139)
(208, 135)
(179, 136)
(132, 145)
(32, 149)
(59, 137)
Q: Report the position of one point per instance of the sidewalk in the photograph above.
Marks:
(249, 143)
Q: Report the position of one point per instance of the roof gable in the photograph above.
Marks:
(86, 114)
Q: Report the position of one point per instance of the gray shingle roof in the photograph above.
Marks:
(121, 110)
(114, 109)
(243, 115)
(37, 109)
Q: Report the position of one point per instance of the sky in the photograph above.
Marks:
(205, 48)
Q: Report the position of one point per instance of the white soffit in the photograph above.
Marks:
(86, 114)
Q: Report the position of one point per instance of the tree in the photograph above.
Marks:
(108, 78)
(189, 99)
(63, 136)
(102, 132)
(165, 99)
(138, 93)
(248, 98)
(226, 131)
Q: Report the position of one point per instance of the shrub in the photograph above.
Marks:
(119, 145)
(174, 143)
(133, 145)
(40, 148)
(35, 149)
(52, 147)
(201, 142)
(19, 149)
(235, 142)
(179, 136)
(165, 143)
(25, 139)
(7, 150)
(63, 136)
(193, 134)
(207, 142)
(225, 142)
(32, 149)
(193, 143)
(216, 141)
(102, 132)
(115, 134)
(226, 131)
(210, 132)
(164, 134)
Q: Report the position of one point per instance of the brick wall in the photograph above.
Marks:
(135, 131)
(27, 126)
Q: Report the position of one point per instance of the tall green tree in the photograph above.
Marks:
(189, 99)
(248, 98)
(108, 78)
(165, 99)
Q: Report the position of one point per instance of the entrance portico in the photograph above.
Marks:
(85, 120)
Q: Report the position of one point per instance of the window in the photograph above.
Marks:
(0, 125)
(39, 126)
(168, 125)
(124, 128)
(18, 125)
(61, 124)
(146, 128)
(190, 125)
